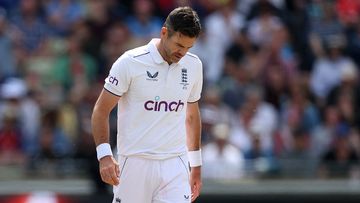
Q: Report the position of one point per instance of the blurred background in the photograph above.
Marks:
(280, 103)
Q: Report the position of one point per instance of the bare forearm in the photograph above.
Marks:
(100, 127)
(193, 131)
(100, 117)
(193, 128)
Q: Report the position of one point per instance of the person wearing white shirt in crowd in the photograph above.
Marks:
(222, 160)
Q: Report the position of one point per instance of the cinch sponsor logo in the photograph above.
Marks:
(158, 105)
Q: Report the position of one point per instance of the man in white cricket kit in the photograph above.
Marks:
(156, 88)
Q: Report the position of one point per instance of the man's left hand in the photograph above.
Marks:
(195, 182)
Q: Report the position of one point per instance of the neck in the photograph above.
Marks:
(162, 52)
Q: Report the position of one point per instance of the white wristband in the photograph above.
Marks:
(102, 150)
(195, 158)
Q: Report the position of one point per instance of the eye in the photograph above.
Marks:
(179, 45)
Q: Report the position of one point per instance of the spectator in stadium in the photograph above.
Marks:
(239, 62)
(143, 24)
(347, 95)
(16, 99)
(323, 135)
(341, 160)
(30, 29)
(276, 86)
(254, 114)
(298, 112)
(220, 152)
(11, 151)
(62, 14)
(222, 27)
(75, 70)
(297, 21)
(260, 160)
(324, 22)
(118, 39)
(327, 69)
(97, 22)
(213, 111)
(54, 142)
(8, 66)
(264, 27)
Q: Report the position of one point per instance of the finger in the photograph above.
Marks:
(194, 196)
(113, 176)
(195, 192)
(117, 170)
(192, 187)
(105, 178)
(110, 181)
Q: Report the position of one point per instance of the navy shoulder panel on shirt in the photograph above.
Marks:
(141, 54)
(138, 51)
(191, 58)
(192, 55)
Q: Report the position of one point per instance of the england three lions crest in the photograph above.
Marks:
(184, 78)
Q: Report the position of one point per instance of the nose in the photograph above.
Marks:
(183, 51)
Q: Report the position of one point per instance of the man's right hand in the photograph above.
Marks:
(109, 170)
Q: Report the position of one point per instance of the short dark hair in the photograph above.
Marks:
(184, 20)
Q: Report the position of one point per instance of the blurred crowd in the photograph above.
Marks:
(281, 92)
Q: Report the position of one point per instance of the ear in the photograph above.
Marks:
(163, 32)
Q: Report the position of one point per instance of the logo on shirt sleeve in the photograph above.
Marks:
(113, 80)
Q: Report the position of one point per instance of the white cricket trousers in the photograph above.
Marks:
(153, 181)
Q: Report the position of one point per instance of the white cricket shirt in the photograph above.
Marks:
(154, 96)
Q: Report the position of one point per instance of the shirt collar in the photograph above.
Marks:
(154, 52)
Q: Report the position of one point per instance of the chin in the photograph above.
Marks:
(175, 60)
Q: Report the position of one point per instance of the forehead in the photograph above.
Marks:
(183, 40)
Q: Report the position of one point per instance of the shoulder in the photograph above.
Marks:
(138, 52)
(192, 59)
